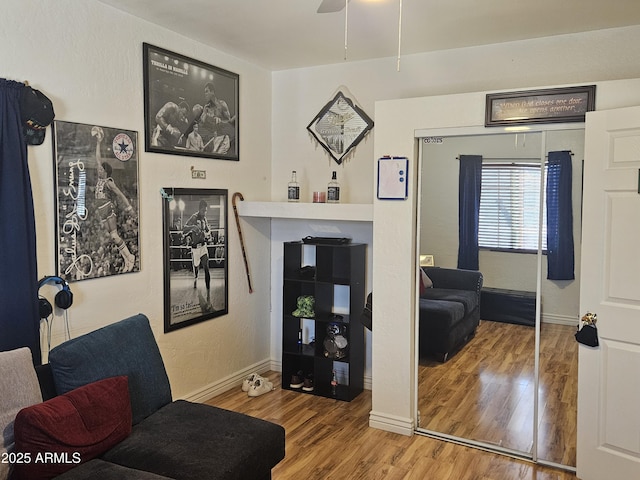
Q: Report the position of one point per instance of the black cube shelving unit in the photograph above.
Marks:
(333, 273)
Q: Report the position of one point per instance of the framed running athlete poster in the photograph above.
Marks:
(96, 200)
(190, 107)
(195, 255)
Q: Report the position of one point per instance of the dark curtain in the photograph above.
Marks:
(560, 261)
(19, 319)
(470, 184)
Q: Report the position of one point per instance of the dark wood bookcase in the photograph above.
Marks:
(335, 277)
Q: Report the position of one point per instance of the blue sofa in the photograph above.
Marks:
(164, 438)
(449, 311)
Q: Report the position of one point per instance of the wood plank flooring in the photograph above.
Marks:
(330, 439)
(485, 392)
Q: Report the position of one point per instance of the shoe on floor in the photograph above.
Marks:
(308, 383)
(260, 387)
(297, 380)
(248, 382)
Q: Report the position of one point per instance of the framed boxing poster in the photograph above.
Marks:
(195, 255)
(96, 200)
(191, 108)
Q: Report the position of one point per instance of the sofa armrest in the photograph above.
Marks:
(455, 278)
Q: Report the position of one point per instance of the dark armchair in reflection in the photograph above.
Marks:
(449, 310)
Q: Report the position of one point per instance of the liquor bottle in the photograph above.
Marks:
(293, 190)
(334, 383)
(333, 189)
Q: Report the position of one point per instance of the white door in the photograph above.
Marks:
(609, 375)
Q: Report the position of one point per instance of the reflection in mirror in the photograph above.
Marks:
(558, 390)
(484, 390)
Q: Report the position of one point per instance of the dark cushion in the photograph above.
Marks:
(440, 314)
(98, 469)
(76, 427)
(127, 347)
(185, 440)
(455, 278)
(467, 298)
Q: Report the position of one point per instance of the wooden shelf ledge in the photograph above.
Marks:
(349, 212)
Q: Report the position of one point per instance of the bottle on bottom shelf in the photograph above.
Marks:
(334, 383)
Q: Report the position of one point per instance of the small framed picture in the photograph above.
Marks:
(426, 260)
(195, 256)
(191, 108)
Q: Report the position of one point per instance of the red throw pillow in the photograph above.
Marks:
(57, 435)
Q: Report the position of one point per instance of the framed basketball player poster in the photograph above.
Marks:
(195, 255)
(96, 200)
(190, 107)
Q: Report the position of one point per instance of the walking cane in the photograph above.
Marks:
(244, 254)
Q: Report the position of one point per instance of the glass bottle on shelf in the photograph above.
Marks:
(334, 383)
(293, 190)
(333, 189)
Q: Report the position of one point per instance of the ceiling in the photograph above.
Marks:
(285, 34)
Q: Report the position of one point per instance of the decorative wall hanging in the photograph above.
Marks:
(195, 255)
(550, 105)
(96, 185)
(191, 108)
(340, 126)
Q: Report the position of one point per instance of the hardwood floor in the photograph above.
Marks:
(486, 391)
(330, 439)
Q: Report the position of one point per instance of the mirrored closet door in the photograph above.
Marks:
(511, 384)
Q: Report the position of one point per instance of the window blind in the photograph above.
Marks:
(510, 207)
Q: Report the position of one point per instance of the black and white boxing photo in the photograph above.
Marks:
(96, 200)
(195, 255)
(191, 108)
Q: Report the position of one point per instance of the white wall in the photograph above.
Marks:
(393, 353)
(388, 96)
(299, 94)
(87, 58)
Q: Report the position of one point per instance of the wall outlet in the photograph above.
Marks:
(199, 174)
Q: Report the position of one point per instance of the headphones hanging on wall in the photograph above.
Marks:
(63, 299)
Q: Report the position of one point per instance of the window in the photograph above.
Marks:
(510, 207)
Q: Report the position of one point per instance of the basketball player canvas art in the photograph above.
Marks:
(195, 255)
(96, 196)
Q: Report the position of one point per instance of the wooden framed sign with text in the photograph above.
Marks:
(553, 105)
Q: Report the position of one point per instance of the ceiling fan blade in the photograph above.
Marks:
(331, 6)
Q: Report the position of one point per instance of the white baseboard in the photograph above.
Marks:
(235, 380)
(231, 381)
(559, 319)
(391, 423)
(276, 365)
